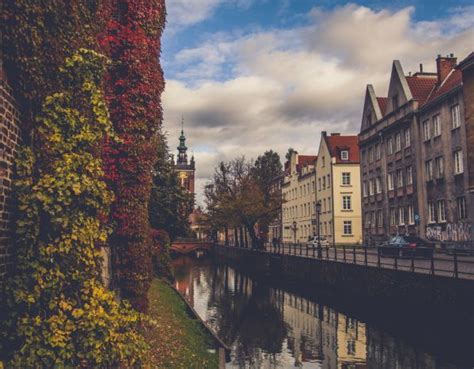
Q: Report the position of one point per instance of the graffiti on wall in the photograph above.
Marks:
(450, 232)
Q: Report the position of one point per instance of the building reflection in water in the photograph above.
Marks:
(271, 328)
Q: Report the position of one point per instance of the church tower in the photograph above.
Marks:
(185, 169)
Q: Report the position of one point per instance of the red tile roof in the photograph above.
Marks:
(304, 160)
(336, 144)
(421, 87)
(453, 80)
(382, 101)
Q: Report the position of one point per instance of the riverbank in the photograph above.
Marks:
(178, 341)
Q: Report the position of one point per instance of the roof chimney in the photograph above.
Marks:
(421, 68)
(324, 133)
(444, 65)
(335, 134)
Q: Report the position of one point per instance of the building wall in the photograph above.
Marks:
(340, 215)
(299, 202)
(9, 140)
(324, 185)
(448, 188)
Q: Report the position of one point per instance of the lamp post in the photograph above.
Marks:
(294, 231)
(369, 234)
(318, 212)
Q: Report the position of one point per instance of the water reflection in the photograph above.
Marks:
(273, 328)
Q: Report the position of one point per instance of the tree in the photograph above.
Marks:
(236, 196)
(289, 153)
(170, 203)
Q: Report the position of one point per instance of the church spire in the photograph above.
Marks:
(182, 149)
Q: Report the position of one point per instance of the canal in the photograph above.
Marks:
(270, 327)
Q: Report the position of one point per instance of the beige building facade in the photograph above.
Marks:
(338, 189)
(298, 190)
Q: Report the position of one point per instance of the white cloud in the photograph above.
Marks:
(280, 88)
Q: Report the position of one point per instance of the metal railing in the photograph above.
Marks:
(419, 260)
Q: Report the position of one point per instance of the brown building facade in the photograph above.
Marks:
(413, 146)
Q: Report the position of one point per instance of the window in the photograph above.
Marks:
(431, 212)
(312, 186)
(390, 146)
(324, 183)
(426, 130)
(455, 116)
(398, 142)
(399, 178)
(371, 187)
(379, 218)
(364, 189)
(411, 215)
(401, 216)
(378, 185)
(369, 118)
(393, 216)
(390, 184)
(458, 162)
(324, 205)
(429, 170)
(348, 227)
(319, 184)
(346, 203)
(371, 155)
(441, 211)
(329, 180)
(395, 102)
(407, 137)
(346, 179)
(436, 126)
(378, 154)
(439, 166)
(409, 175)
(323, 161)
(344, 155)
(462, 208)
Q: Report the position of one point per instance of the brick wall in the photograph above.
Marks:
(9, 139)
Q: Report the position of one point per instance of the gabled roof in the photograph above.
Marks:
(382, 101)
(421, 87)
(304, 160)
(338, 143)
(453, 80)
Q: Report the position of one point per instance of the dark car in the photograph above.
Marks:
(407, 246)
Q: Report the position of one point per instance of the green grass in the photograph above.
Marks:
(178, 341)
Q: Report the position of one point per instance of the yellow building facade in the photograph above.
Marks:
(339, 189)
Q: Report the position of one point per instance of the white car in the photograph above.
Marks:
(313, 243)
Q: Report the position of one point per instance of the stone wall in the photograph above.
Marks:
(9, 139)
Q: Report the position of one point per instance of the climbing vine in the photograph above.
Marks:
(37, 36)
(133, 86)
(59, 314)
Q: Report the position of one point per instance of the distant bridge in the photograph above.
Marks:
(188, 247)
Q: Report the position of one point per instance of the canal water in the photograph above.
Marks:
(273, 328)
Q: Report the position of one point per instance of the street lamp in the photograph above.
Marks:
(294, 230)
(318, 212)
(370, 233)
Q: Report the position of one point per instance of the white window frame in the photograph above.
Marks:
(390, 183)
(399, 178)
(441, 208)
(390, 146)
(431, 212)
(439, 166)
(409, 175)
(346, 178)
(401, 215)
(461, 207)
(411, 214)
(347, 227)
(346, 202)
(398, 142)
(455, 116)
(378, 185)
(436, 125)
(458, 162)
(407, 137)
(429, 170)
(426, 130)
(345, 155)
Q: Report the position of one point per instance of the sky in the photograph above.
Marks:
(253, 75)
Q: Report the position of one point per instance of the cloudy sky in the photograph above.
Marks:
(253, 75)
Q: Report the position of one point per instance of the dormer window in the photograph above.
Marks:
(344, 155)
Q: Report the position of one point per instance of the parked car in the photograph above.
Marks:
(313, 242)
(407, 246)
